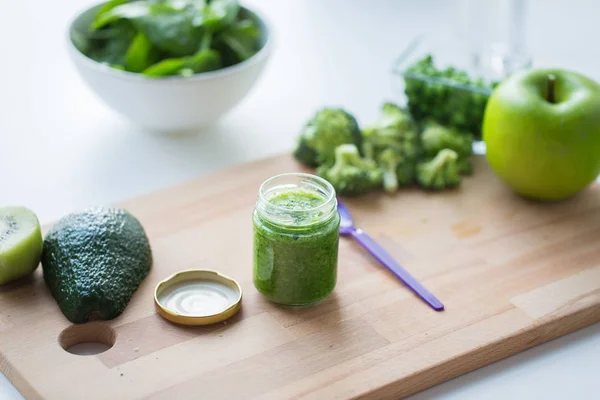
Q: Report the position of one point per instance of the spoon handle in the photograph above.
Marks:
(388, 261)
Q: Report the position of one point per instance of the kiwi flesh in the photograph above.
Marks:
(21, 243)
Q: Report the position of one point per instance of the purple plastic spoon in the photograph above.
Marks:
(347, 228)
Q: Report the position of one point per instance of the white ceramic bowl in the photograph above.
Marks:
(170, 104)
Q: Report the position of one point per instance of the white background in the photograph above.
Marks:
(62, 149)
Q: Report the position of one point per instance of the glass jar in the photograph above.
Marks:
(296, 239)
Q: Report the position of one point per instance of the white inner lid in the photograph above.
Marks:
(198, 298)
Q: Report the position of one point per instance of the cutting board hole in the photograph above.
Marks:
(87, 339)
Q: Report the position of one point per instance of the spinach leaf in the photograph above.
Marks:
(140, 54)
(172, 26)
(218, 14)
(169, 66)
(113, 47)
(84, 41)
(106, 7)
(169, 37)
(204, 61)
(242, 38)
(172, 30)
(124, 11)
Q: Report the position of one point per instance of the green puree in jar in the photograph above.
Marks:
(295, 257)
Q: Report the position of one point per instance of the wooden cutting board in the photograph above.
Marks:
(511, 273)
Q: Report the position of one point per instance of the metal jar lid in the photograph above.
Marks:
(197, 297)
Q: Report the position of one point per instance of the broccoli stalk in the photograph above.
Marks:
(397, 170)
(350, 174)
(388, 161)
(440, 172)
(326, 130)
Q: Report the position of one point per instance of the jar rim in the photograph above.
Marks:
(325, 204)
(277, 214)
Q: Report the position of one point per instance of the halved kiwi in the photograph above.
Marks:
(21, 243)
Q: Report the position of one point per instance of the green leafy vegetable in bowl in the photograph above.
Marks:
(170, 37)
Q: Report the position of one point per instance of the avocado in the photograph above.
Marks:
(94, 260)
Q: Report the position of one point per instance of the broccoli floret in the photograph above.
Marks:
(436, 137)
(326, 130)
(393, 143)
(305, 154)
(397, 169)
(394, 127)
(440, 172)
(350, 174)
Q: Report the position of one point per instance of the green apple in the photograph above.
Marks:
(541, 128)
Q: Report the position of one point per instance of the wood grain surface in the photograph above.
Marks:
(512, 274)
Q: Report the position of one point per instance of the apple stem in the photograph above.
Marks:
(551, 84)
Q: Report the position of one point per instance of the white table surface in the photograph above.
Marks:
(62, 149)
